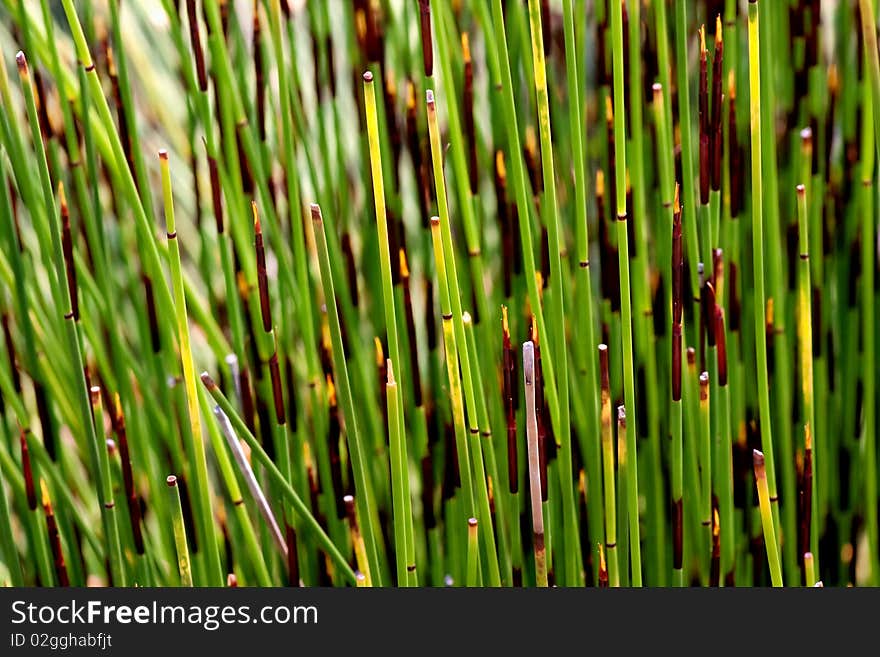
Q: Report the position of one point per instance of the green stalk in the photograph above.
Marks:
(449, 261)
(809, 569)
(466, 200)
(403, 549)
(805, 329)
(404, 541)
(556, 340)
(473, 554)
(357, 450)
(10, 552)
(687, 148)
(608, 472)
(485, 450)
(112, 524)
(197, 449)
(523, 204)
(455, 396)
(455, 314)
(183, 562)
(778, 286)
(767, 519)
(632, 481)
(74, 339)
(705, 463)
(723, 460)
(277, 478)
(676, 355)
(869, 32)
(646, 340)
(758, 259)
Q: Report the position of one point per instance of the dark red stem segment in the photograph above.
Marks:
(134, 509)
(427, 39)
(196, 40)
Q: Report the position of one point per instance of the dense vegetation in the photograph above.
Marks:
(399, 292)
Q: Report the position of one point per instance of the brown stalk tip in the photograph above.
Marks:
(435, 221)
(231, 581)
(758, 461)
(807, 136)
(621, 416)
(603, 367)
(368, 76)
(171, 480)
(118, 416)
(196, 40)
(30, 490)
(380, 354)
(62, 199)
(691, 356)
(500, 167)
(21, 60)
(702, 40)
(95, 395)
(257, 227)
(801, 190)
(208, 381)
(721, 342)
(472, 522)
(348, 502)
(719, 39)
(429, 97)
(44, 494)
(710, 290)
(427, 42)
(316, 213)
(403, 264)
(390, 370)
(528, 353)
(163, 154)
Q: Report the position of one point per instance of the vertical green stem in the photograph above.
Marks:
(197, 450)
(758, 256)
(180, 544)
(632, 475)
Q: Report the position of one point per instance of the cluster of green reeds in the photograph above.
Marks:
(466, 292)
